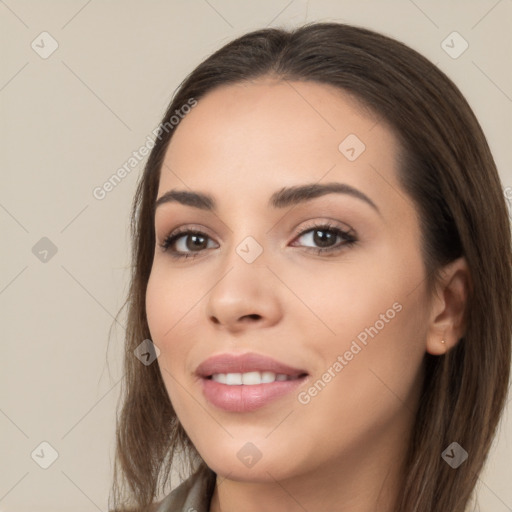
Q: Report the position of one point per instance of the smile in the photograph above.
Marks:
(250, 378)
(246, 382)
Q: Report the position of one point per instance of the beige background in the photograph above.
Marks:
(68, 122)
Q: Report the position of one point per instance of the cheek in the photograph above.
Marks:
(374, 317)
(173, 325)
(345, 300)
(158, 302)
(173, 303)
(166, 312)
(375, 381)
(162, 313)
(170, 297)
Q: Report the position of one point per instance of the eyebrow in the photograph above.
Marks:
(283, 198)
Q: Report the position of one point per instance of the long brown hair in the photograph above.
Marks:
(446, 168)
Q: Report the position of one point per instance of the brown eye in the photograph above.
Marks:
(186, 243)
(324, 238)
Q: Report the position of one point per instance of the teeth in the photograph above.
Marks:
(219, 377)
(249, 378)
(233, 379)
(267, 377)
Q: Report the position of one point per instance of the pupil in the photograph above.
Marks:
(195, 238)
(323, 241)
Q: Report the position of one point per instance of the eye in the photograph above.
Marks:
(325, 236)
(186, 243)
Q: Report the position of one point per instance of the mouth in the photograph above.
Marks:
(246, 382)
(252, 378)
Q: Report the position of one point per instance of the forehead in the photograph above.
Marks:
(250, 138)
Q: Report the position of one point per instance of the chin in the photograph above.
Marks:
(246, 462)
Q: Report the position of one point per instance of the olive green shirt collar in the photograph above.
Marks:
(193, 495)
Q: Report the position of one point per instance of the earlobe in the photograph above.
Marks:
(448, 308)
(439, 346)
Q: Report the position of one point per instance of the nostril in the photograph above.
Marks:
(253, 316)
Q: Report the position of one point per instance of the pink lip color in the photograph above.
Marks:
(245, 398)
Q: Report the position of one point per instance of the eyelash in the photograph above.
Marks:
(348, 237)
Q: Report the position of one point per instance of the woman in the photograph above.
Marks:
(322, 262)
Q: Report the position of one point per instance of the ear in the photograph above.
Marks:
(448, 305)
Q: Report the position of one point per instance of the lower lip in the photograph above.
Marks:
(244, 398)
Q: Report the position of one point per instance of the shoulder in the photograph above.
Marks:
(194, 493)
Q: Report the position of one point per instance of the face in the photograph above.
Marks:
(291, 325)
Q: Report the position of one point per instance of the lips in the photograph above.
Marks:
(245, 363)
(246, 382)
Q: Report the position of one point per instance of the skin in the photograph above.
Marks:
(343, 450)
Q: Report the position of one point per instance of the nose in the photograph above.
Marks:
(245, 297)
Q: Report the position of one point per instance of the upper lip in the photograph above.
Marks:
(243, 363)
